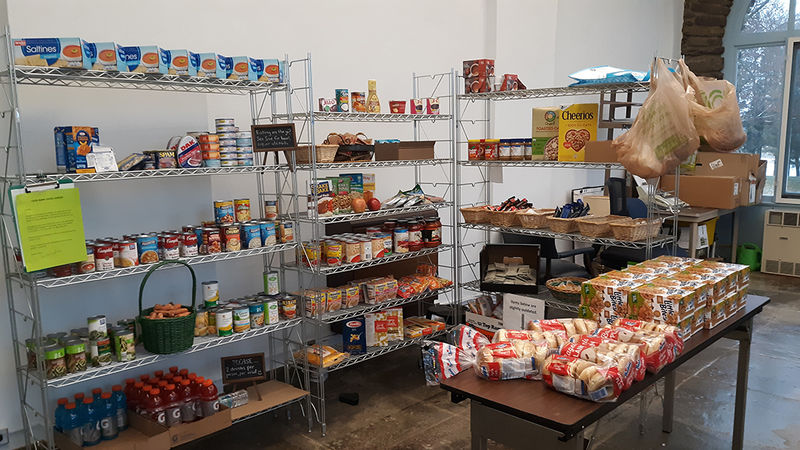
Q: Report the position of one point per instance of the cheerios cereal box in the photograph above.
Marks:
(577, 125)
(51, 52)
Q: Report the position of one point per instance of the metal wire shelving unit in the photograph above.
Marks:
(434, 176)
(24, 290)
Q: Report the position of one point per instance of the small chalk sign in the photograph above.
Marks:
(273, 137)
(243, 368)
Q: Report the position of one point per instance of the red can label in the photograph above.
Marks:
(104, 256)
(189, 244)
(211, 241)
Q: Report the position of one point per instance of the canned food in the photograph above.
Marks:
(97, 327)
(366, 249)
(211, 162)
(211, 240)
(270, 209)
(233, 242)
(224, 121)
(271, 283)
(224, 211)
(100, 351)
(210, 293)
(64, 270)
(147, 246)
(241, 319)
(210, 147)
(56, 338)
(228, 162)
(334, 253)
(188, 244)
(103, 256)
(243, 148)
(87, 265)
(288, 307)
(224, 321)
(54, 363)
(242, 208)
(251, 235)
(401, 240)
(245, 134)
(115, 249)
(267, 229)
(371, 231)
(207, 138)
(128, 253)
(256, 314)
(387, 243)
(287, 232)
(245, 161)
(377, 246)
(170, 246)
(75, 355)
(225, 155)
(227, 141)
(310, 254)
(352, 251)
(342, 100)
(124, 345)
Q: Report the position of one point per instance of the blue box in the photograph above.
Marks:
(180, 63)
(103, 56)
(224, 67)
(50, 52)
(354, 337)
(143, 59)
(72, 146)
(267, 70)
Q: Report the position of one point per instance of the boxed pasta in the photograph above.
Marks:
(577, 125)
(662, 304)
(376, 327)
(73, 144)
(394, 324)
(605, 299)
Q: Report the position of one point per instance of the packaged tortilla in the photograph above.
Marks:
(581, 378)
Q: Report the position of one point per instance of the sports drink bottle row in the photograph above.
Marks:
(169, 399)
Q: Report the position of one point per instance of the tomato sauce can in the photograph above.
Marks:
(334, 253)
(188, 244)
(103, 256)
(251, 235)
(268, 236)
(224, 211)
(128, 253)
(352, 251)
(211, 240)
(224, 320)
(242, 208)
(147, 246)
(233, 241)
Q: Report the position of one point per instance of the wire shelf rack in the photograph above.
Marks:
(147, 174)
(53, 282)
(375, 164)
(307, 217)
(54, 76)
(565, 91)
(547, 164)
(270, 409)
(330, 270)
(368, 117)
(655, 242)
(144, 358)
(360, 310)
(545, 295)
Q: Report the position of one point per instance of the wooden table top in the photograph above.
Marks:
(698, 214)
(536, 402)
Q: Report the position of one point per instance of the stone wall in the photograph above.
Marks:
(703, 28)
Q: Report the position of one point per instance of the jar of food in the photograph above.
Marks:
(54, 363)
(432, 233)
(400, 237)
(517, 149)
(415, 236)
(504, 150)
(492, 149)
(475, 150)
(527, 149)
(75, 355)
(389, 226)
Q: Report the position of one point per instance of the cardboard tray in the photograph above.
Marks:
(273, 393)
(404, 151)
(142, 434)
(493, 253)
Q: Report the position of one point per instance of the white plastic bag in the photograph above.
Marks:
(715, 111)
(663, 133)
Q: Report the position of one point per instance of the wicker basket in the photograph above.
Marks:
(536, 218)
(325, 153)
(635, 230)
(560, 225)
(163, 336)
(558, 294)
(475, 214)
(598, 226)
(505, 218)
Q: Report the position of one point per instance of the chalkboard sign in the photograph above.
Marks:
(243, 368)
(273, 137)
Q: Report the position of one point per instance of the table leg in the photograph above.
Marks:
(642, 411)
(693, 239)
(478, 441)
(669, 402)
(742, 372)
(734, 236)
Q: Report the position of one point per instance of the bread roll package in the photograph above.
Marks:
(564, 327)
(627, 357)
(511, 360)
(584, 379)
(442, 361)
(468, 340)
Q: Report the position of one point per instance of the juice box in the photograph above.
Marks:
(544, 133)
(143, 59)
(576, 126)
(103, 56)
(72, 146)
(180, 63)
(51, 52)
(205, 64)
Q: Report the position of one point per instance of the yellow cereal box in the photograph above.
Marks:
(576, 126)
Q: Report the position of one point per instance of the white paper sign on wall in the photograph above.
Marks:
(519, 310)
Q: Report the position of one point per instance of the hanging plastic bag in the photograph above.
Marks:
(663, 133)
(715, 109)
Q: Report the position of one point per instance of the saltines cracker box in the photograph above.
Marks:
(544, 132)
(103, 56)
(143, 59)
(51, 52)
(577, 125)
(179, 63)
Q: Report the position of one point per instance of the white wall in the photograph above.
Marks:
(350, 42)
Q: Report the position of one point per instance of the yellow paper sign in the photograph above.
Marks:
(50, 226)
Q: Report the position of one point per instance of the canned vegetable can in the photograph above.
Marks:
(210, 293)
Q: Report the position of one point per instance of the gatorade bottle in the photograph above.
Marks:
(131, 393)
(90, 422)
(209, 400)
(130, 385)
(79, 400)
(197, 384)
(144, 396)
(154, 407)
(168, 377)
(187, 399)
(177, 380)
(159, 373)
(173, 370)
(144, 378)
(153, 381)
(172, 405)
(96, 392)
(59, 414)
(120, 403)
(72, 424)
(108, 417)
(162, 384)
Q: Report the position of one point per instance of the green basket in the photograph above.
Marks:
(165, 336)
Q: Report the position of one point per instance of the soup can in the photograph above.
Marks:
(87, 265)
(211, 240)
(271, 312)
(334, 253)
(223, 318)
(377, 246)
(224, 122)
(270, 209)
(366, 249)
(401, 240)
(387, 243)
(147, 246)
(242, 208)
(210, 293)
(188, 244)
(241, 319)
(233, 241)
(271, 283)
(170, 246)
(251, 235)
(103, 256)
(128, 253)
(268, 236)
(287, 232)
(224, 211)
(256, 314)
(343, 100)
(288, 306)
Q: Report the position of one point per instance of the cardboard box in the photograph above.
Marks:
(142, 434)
(187, 432)
(751, 169)
(705, 191)
(51, 52)
(496, 253)
(273, 393)
(577, 125)
(600, 151)
(544, 132)
(404, 151)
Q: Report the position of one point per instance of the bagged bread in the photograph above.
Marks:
(581, 378)
(627, 357)
(564, 327)
(469, 340)
(441, 361)
(505, 361)
(663, 133)
(657, 348)
(553, 340)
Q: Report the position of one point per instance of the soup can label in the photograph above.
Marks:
(233, 241)
(271, 283)
(224, 320)
(128, 254)
(366, 250)
(103, 256)
(270, 209)
(87, 265)
(147, 246)
(210, 293)
(287, 232)
(271, 312)
(241, 319)
(170, 246)
(334, 253)
(401, 240)
(242, 208)
(188, 244)
(377, 247)
(267, 229)
(251, 235)
(211, 240)
(256, 314)
(224, 211)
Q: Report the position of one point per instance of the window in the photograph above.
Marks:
(790, 136)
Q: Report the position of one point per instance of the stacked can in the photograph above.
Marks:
(227, 133)
(244, 148)
(209, 146)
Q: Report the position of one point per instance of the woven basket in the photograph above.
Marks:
(475, 214)
(635, 230)
(163, 336)
(325, 153)
(560, 225)
(505, 218)
(598, 226)
(558, 294)
(536, 218)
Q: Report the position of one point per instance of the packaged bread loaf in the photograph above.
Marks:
(581, 378)
(627, 357)
(566, 327)
(554, 340)
(510, 360)
(441, 361)
(658, 348)
(468, 340)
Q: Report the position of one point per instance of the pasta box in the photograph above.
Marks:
(51, 52)
(354, 337)
(103, 56)
(143, 59)
(179, 63)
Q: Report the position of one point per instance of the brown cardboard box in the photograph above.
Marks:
(187, 432)
(705, 191)
(408, 150)
(748, 167)
(142, 434)
(600, 151)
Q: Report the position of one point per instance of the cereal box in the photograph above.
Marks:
(143, 59)
(205, 64)
(577, 125)
(179, 63)
(394, 324)
(662, 304)
(544, 133)
(605, 299)
(51, 52)
(103, 56)
(376, 327)
(72, 146)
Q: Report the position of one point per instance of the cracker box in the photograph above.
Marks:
(577, 125)
(205, 65)
(394, 324)
(676, 261)
(241, 69)
(717, 283)
(605, 299)
(686, 326)
(376, 328)
(72, 146)
(354, 339)
(51, 52)
(662, 304)
(180, 63)
(715, 314)
(544, 132)
(356, 181)
(691, 281)
(267, 70)
(635, 275)
(143, 59)
(224, 67)
(103, 56)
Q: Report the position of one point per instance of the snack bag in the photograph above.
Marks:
(663, 133)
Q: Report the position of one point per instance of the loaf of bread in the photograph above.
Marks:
(582, 378)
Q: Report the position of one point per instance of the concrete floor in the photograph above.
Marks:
(397, 409)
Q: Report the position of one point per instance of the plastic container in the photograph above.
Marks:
(172, 405)
(96, 393)
(121, 406)
(72, 424)
(197, 384)
(108, 417)
(209, 399)
(90, 422)
(750, 255)
(79, 400)
(142, 400)
(154, 407)
(144, 378)
(130, 392)
(188, 400)
(60, 413)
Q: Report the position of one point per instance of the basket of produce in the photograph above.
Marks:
(535, 218)
(506, 214)
(476, 214)
(167, 328)
(566, 289)
(597, 226)
(635, 229)
(325, 153)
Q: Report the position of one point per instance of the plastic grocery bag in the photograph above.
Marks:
(663, 133)
(715, 109)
